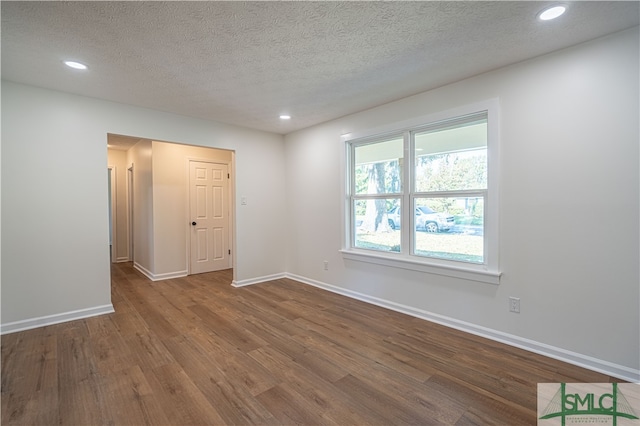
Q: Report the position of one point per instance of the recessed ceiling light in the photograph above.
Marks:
(75, 65)
(551, 13)
(285, 117)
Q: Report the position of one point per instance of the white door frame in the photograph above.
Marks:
(230, 203)
(130, 211)
(113, 199)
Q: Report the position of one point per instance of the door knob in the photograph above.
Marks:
(193, 223)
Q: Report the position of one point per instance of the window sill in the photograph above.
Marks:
(465, 273)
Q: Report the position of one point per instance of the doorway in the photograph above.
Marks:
(153, 207)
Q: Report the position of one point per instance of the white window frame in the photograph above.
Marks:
(487, 272)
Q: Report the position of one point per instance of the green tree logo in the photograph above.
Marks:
(565, 404)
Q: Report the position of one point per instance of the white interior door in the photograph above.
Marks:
(209, 210)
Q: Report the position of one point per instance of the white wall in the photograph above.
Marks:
(54, 205)
(143, 236)
(568, 216)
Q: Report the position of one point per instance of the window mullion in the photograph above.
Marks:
(377, 196)
(456, 193)
(408, 188)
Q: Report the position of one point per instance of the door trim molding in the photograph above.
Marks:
(130, 213)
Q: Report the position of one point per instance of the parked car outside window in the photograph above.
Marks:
(426, 219)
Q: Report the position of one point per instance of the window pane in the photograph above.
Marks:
(450, 228)
(372, 227)
(453, 158)
(378, 167)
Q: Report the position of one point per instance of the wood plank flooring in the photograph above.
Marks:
(197, 351)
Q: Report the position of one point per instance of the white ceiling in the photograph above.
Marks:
(245, 63)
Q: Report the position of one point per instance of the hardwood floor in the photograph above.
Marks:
(197, 351)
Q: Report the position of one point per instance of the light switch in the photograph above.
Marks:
(243, 201)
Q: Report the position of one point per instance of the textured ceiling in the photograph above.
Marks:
(245, 63)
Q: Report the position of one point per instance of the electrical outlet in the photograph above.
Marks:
(326, 265)
(514, 304)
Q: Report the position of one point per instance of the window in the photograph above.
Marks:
(377, 187)
(426, 196)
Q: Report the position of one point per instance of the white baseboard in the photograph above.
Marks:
(159, 277)
(28, 324)
(144, 271)
(251, 281)
(122, 259)
(590, 363)
(169, 275)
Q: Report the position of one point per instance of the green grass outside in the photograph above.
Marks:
(463, 248)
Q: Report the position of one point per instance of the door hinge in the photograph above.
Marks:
(228, 176)
(229, 251)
